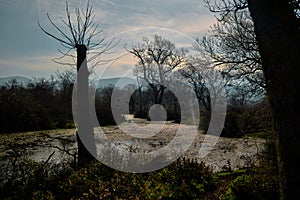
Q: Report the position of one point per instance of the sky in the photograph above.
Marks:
(27, 51)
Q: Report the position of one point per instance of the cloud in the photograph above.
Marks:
(177, 20)
(30, 66)
(187, 16)
(122, 66)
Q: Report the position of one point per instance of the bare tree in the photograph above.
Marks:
(231, 46)
(276, 26)
(208, 84)
(156, 61)
(196, 79)
(80, 33)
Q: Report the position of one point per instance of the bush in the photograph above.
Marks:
(252, 186)
(243, 120)
(21, 111)
(232, 126)
(260, 182)
(183, 179)
(28, 179)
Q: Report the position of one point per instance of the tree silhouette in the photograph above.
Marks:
(156, 61)
(79, 33)
(196, 78)
(232, 46)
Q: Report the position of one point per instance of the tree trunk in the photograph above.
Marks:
(85, 131)
(160, 94)
(279, 44)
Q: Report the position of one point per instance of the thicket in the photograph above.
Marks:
(242, 120)
(40, 105)
(183, 179)
(45, 104)
(180, 180)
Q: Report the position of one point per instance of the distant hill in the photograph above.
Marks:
(116, 82)
(20, 79)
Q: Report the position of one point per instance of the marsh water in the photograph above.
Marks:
(58, 145)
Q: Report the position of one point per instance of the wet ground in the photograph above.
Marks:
(218, 152)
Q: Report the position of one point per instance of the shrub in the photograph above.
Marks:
(183, 179)
(243, 120)
(260, 182)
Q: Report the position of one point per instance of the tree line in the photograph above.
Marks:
(39, 105)
(47, 104)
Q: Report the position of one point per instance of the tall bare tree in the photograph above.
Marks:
(208, 85)
(231, 46)
(276, 26)
(196, 78)
(157, 59)
(80, 33)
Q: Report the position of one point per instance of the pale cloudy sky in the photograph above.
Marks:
(27, 51)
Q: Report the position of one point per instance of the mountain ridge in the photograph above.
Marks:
(116, 82)
(20, 79)
(102, 83)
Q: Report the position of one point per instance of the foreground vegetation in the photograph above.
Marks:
(184, 179)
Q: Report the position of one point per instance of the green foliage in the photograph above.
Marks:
(27, 179)
(252, 186)
(260, 182)
(183, 179)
